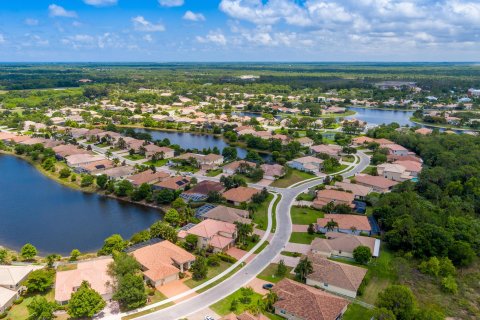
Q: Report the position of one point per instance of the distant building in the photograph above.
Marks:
(473, 92)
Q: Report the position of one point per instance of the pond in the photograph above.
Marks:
(188, 140)
(379, 116)
(57, 219)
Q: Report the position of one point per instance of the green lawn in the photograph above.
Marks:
(103, 145)
(305, 196)
(292, 176)
(305, 215)
(222, 307)
(304, 238)
(212, 272)
(369, 170)
(214, 173)
(185, 168)
(348, 158)
(337, 169)
(269, 273)
(260, 217)
(134, 157)
(158, 163)
(20, 311)
(357, 312)
(290, 254)
(262, 246)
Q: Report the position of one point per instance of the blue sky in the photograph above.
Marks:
(240, 30)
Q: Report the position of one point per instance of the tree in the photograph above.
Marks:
(303, 269)
(140, 236)
(229, 153)
(331, 225)
(281, 269)
(399, 300)
(65, 173)
(179, 204)
(51, 258)
(113, 243)
(75, 254)
(164, 196)
(270, 299)
(3, 255)
(87, 180)
(161, 229)
(191, 241)
(383, 314)
(172, 217)
(461, 254)
(449, 284)
(40, 280)
(102, 181)
(131, 291)
(243, 231)
(362, 254)
(123, 188)
(311, 228)
(430, 266)
(199, 268)
(28, 252)
(122, 265)
(85, 302)
(41, 309)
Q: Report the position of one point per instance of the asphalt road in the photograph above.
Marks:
(260, 262)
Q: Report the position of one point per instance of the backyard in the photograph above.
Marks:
(292, 176)
(304, 237)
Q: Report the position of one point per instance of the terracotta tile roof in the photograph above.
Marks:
(356, 189)
(240, 194)
(95, 272)
(343, 242)
(340, 275)
(335, 196)
(220, 242)
(394, 147)
(228, 214)
(97, 165)
(306, 302)
(362, 140)
(308, 159)
(272, 169)
(424, 131)
(412, 166)
(206, 186)
(346, 221)
(330, 149)
(158, 259)
(78, 159)
(208, 228)
(233, 166)
(375, 181)
(148, 176)
(64, 150)
(174, 183)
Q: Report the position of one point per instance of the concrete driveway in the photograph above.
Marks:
(298, 247)
(239, 253)
(174, 288)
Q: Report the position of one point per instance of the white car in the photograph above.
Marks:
(208, 318)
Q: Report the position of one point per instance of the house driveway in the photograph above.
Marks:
(257, 286)
(239, 253)
(300, 228)
(264, 182)
(289, 261)
(174, 288)
(298, 247)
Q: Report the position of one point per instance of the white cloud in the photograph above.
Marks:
(31, 22)
(148, 38)
(35, 40)
(192, 16)
(101, 3)
(215, 37)
(2, 39)
(141, 24)
(79, 41)
(171, 3)
(58, 11)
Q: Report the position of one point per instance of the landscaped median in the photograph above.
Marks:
(218, 274)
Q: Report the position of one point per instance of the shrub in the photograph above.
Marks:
(226, 257)
(449, 284)
(18, 301)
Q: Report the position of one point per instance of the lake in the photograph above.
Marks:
(189, 140)
(57, 219)
(379, 116)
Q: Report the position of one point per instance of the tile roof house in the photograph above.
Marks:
(343, 244)
(94, 167)
(358, 141)
(336, 277)
(327, 196)
(218, 234)
(227, 214)
(147, 176)
(7, 297)
(377, 183)
(424, 131)
(201, 190)
(163, 261)
(359, 192)
(412, 167)
(305, 141)
(232, 167)
(308, 164)
(173, 183)
(240, 194)
(396, 149)
(11, 277)
(272, 171)
(299, 301)
(347, 223)
(64, 150)
(119, 172)
(331, 150)
(83, 158)
(395, 172)
(166, 152)
(95, 272)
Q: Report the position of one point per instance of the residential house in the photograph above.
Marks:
(305, 141)
(240, 195)
(148, 177)
(200, 191)
(64, 150)
(206, 162)
(82, 158)
(232, 167)
(12, 277)
(331, 150)
(358, 191)
(336, 197)
(226, 214)
(360, 141)
(336, 277)
(413, 168)
(396, 149)
(272, 171)
(298, 301)
(95, 272)
(7, 297)
(119, 172)
(163, 152)
(94, 167)
(163, 262)
(377, 183)
(424, 131)
(347, 223)
(343, 245)
(308, 164)
(213, 233)
(395, 172)
(173, 183)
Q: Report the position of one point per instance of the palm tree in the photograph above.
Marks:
(353, 229)
(108, 154)
(303, 269)
(331, 225)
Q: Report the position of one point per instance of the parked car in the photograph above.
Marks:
(267, 286)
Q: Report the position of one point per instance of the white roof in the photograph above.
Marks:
(12, 275)
(6, 296)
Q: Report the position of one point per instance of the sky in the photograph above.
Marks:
(239, 30)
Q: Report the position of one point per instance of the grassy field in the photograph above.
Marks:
(348, 158)
(135, 157)
(212, 272)
(357, 312)
(337, 169)
(260, 217)
(369, 170)
(303, 237)
(20, 311)
(292, 176)
(222, 307)
(214, 173)
(305, 215)
(305, 197)
(158, 163)
(269, 273)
